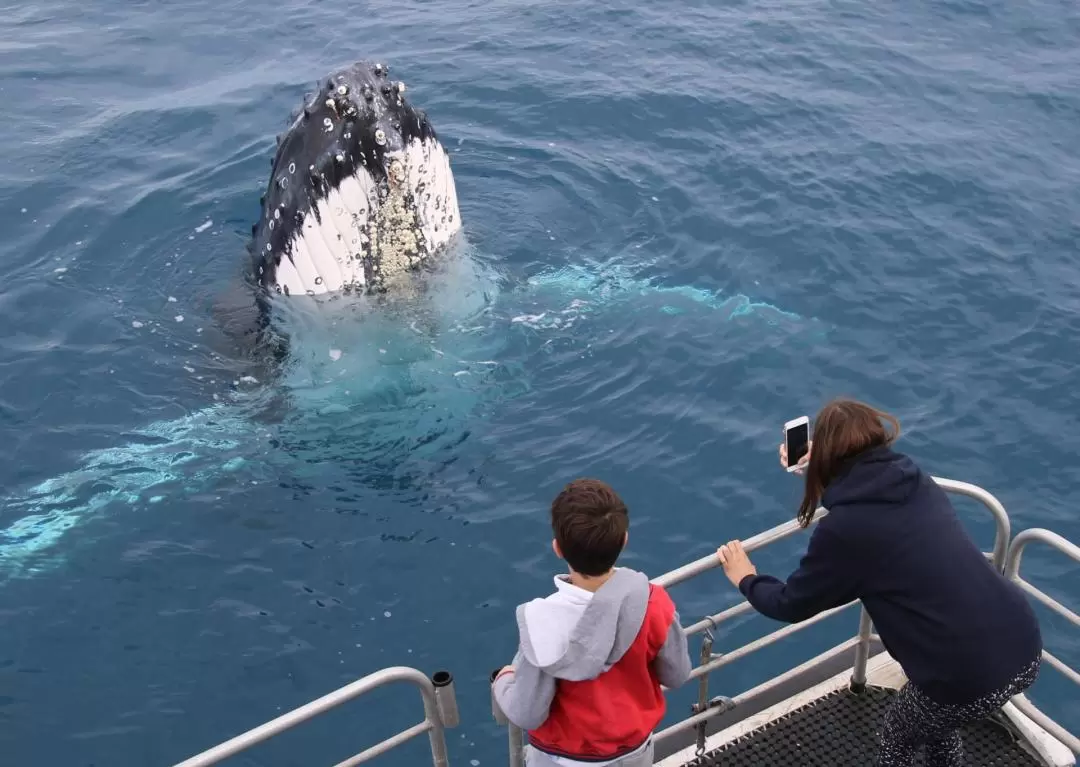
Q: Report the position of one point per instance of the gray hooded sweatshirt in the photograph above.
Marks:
(575, 634)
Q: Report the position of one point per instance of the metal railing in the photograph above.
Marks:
(1012, 570)
(440, 704)
(704, 709)
(440, 712)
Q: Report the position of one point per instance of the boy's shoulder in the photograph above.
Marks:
(575, 633)
(627, 587)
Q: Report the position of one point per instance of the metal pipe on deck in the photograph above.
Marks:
(515, 736)
(517, 746)
(862, 652)
(446, 698)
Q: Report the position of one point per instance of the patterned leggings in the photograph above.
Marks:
(915, 721)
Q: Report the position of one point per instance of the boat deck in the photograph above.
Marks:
(841, 728)
(827, 710)
(828, 725)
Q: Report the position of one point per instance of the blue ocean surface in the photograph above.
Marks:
(686, 223)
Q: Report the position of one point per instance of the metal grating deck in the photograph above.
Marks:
(840, 730)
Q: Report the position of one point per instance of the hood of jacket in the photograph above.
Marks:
(878, 475)
(575, 634)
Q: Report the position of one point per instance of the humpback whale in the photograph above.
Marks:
(360, 195)
(360, 199)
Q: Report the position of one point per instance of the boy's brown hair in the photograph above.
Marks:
(590, 522)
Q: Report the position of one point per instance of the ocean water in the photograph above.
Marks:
(685, 225)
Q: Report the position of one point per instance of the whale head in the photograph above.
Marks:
(360, 194)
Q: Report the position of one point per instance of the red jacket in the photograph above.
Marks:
(615, 713)
(586, 680)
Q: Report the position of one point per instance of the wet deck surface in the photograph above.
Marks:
(840, 730)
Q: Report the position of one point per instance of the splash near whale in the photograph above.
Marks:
(360, 195)
(393, 337)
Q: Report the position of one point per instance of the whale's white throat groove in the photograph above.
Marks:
(325, 252)
(361, 191)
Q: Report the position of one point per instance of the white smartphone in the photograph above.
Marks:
(797, 440)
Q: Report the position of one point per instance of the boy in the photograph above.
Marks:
(585, 682)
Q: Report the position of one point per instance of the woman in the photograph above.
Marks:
(965, 636)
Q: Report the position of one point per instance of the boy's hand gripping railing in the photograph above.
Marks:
(1012, 570)
(440, 711)
(516, 736)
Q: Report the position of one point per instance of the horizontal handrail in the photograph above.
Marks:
(704, 716)
(781, 531)
(440, 707)
(861, 642)
(1012, 571)
(1016, 551)
(1001, 517)
(433, 723)
(710, 561)
(765, 641)
(1026, 537)
(1061, 666)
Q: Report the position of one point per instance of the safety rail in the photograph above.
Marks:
(440, 712)
(704, 709)
(440, 705)
(1012, 570)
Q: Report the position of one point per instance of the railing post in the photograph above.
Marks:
(446, 698)
(496, 712)
(437, 733)
(515, 736)
(703, 689)
(1003, 531)
(1012, 572)
(517, 746)
(862, 653)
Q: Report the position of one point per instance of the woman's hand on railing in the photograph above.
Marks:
(801, 466)
(735, 562)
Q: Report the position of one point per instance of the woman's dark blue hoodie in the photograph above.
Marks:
(891, 538)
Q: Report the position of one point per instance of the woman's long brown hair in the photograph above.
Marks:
(843, 428)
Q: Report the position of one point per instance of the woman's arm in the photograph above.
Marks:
(826, 577)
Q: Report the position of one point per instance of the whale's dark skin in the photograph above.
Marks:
(356, 122)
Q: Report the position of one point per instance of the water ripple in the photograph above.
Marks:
(690, 223)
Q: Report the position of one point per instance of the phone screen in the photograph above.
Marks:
(798, 438)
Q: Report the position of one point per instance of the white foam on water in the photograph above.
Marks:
(348, 359)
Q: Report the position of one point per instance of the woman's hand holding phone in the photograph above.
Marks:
(801, 466)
